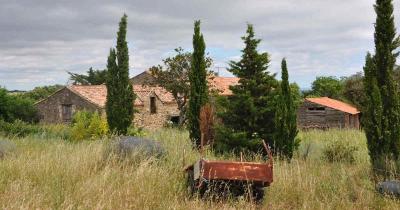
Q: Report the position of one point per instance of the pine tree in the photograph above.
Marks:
(285, 118)
(382, 114)
(120, 96)
(248, 115)
(198, 85)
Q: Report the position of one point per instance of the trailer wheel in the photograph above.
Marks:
(258, 194)
(190, 183)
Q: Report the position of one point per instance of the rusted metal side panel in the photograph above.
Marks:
(243, 171)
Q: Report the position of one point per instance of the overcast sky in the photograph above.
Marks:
(42, 39)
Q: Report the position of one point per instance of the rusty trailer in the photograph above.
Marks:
(235, 177)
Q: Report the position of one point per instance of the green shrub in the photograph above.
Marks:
(16, 107)
(18, 128)
(88, 125)
(134, 131)
(337, 151)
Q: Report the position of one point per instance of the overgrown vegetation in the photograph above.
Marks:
(339, 151)
(56, 174)
(16, 107)
(88, 125)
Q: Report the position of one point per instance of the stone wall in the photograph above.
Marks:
(164, 111)
(50, 109)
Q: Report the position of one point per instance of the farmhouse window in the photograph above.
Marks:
(153, 108)
(316, 109)
(66, 112)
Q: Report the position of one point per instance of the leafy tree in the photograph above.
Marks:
(327, 86)
(16, 107)
(382, 116)
(353, 90)
(39, 93)
(248, 115)
(120, 96)
(198, 84)
(93, 77)
(174, 77)
(285, 118)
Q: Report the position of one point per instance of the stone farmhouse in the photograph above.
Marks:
(155, 106)
(325, 113)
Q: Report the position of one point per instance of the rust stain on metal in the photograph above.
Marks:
(244, 171)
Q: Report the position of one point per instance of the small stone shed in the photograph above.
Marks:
(154, 104)
(325, 113)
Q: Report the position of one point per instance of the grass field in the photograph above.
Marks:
(55, 174)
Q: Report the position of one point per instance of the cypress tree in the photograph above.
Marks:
(382, 114)
(285, 118)
(120, 96)
(372, 119)
(198, 84)
(248, 115)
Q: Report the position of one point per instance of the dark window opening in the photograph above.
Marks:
(174, 120)
(66, 112)
(153, 108)
(316, 108)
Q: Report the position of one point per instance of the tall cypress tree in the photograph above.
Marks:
(120, 96)
(198, 84)
(248, 115)
(382, 116)
(285, 118)
(372, 119)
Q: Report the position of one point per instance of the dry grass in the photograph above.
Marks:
(55, 174)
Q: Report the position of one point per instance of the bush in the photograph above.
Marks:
(88, 125)
(18, 128)
(134, 131)
(16, 107)
(338, 151)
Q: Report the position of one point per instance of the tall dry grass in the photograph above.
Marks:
(56, 174)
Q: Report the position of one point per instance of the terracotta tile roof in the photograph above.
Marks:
(221, 84)
(97, 94)
(334, 104)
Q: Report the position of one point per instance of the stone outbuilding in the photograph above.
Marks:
(325, 113)
(154, 105)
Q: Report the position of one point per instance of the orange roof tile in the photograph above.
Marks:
(222, 84)
(97, 94)
(334, 104)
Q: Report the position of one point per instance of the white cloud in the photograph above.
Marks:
(40, 40)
